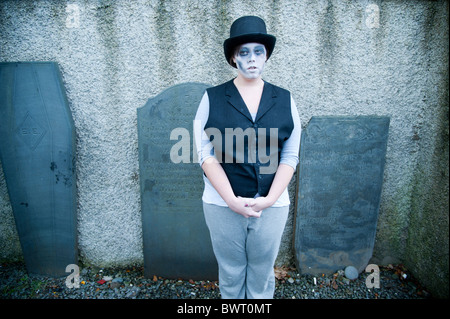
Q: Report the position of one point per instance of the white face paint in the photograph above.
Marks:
(250, 60)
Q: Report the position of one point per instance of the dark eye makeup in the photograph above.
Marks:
(258, 50)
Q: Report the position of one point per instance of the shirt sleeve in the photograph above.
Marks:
(203, 144)
(290, 151)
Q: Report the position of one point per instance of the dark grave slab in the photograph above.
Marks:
(339, 188)
(175, 236)
(37, 151)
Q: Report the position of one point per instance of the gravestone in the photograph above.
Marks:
(37, 151)
(175, 236)
(339, 188)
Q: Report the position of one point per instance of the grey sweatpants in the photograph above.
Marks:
(245, 249)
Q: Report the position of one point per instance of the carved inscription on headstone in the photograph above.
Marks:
(175, 235)
(339, 187)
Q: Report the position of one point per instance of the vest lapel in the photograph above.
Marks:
(267, 100)
(266, 103)
(235, 99)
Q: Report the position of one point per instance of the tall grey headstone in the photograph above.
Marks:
(37, 151)
(175, 236)
(339, 188)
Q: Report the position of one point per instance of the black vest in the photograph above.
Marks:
(249, 151)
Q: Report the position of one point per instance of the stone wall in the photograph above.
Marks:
(385, 58)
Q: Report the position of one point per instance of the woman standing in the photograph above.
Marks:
(248, 143)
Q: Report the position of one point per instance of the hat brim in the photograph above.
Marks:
(230, 44)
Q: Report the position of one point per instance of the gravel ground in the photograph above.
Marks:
(114, 283)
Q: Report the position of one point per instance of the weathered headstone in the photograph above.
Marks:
(37, 151)
(339, 188)
(175, 235)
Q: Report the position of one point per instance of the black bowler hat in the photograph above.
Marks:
(245, 30)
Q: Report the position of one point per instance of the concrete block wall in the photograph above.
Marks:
(336, 57)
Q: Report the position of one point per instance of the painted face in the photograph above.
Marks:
(250, 60)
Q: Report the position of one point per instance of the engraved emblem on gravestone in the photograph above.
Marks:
(37, 151)
(339, 188)
(175, 237)
(30, 131)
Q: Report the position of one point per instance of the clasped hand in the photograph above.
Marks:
(250, 207)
